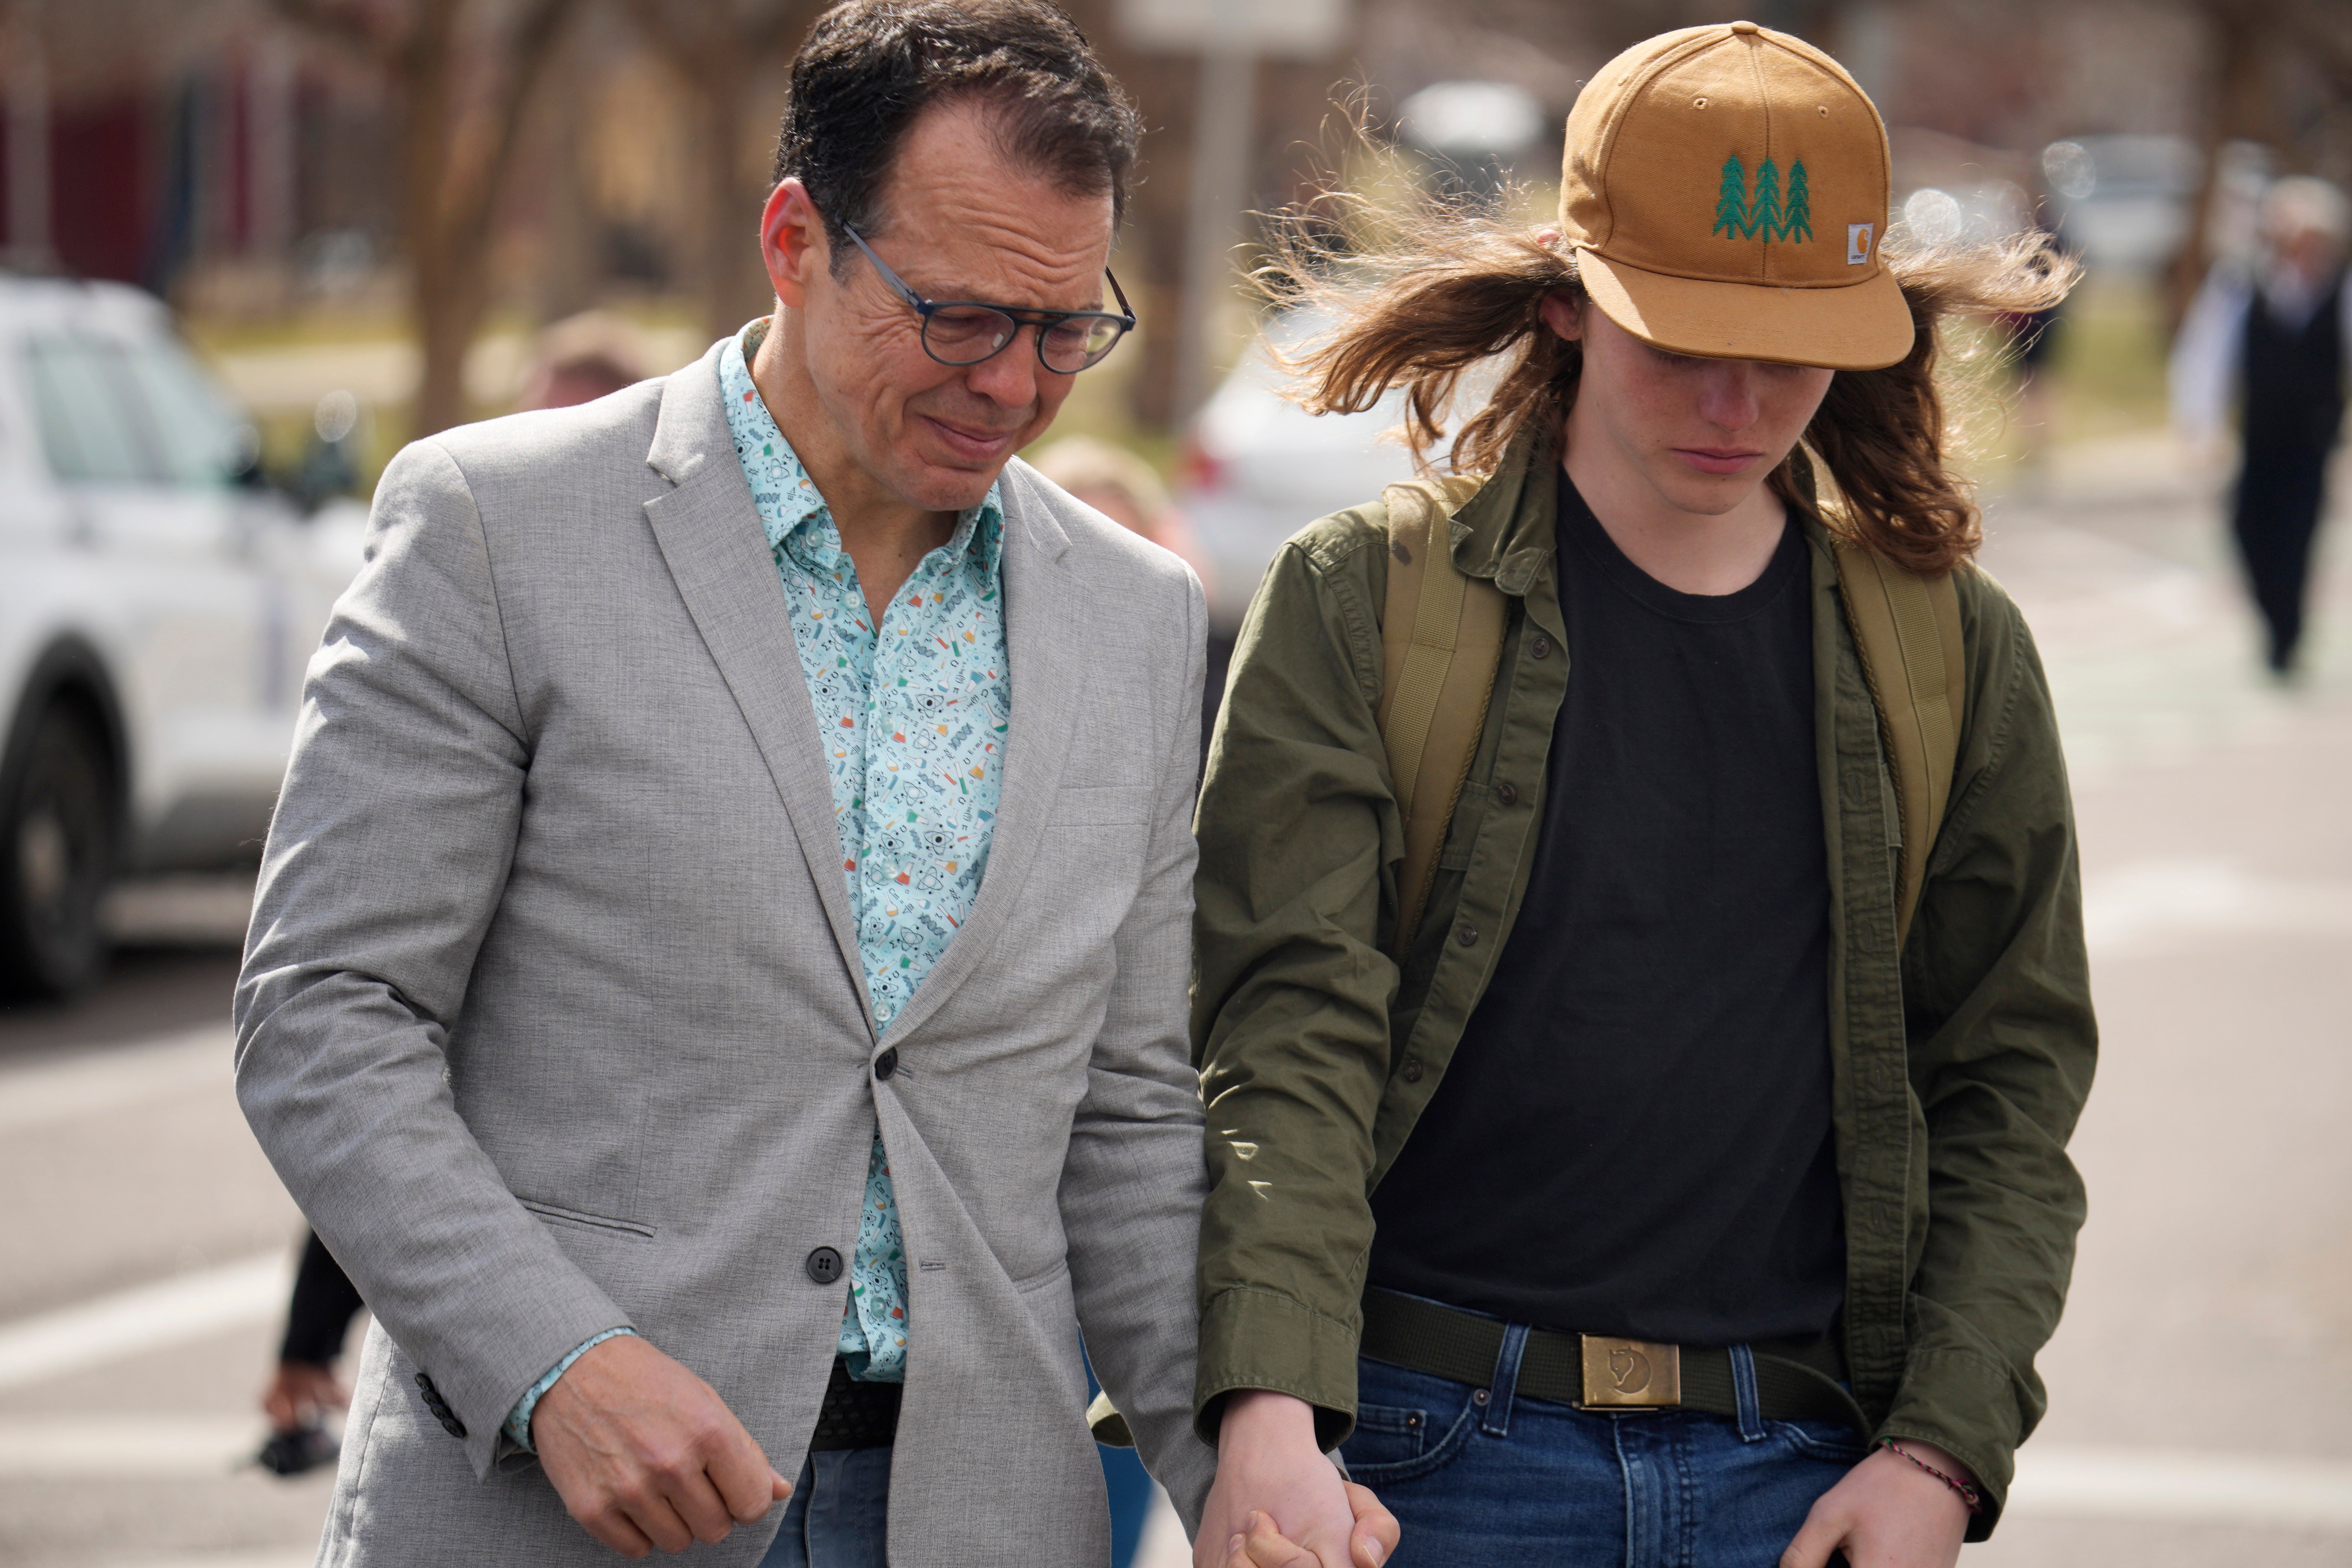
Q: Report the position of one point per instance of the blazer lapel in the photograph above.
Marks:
(709, 532)
(1049, 625)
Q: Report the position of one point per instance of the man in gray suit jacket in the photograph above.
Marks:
(717, 980)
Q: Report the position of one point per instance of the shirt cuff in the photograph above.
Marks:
(519, 1419)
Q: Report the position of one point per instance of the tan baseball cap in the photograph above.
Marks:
(1725, 190)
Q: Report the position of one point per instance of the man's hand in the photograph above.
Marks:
(299, 1392)
(1886, 1513)
(1279, 1502)
(644, 1455)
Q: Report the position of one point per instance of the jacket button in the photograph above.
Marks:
(451, 1425)
(1411, 1071)
(1466, 934)
(886, 1063)
(825, 1265)
(1508, 793)
(1541, 647)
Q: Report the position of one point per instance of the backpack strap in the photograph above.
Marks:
(1907, 630)
(1441, 640)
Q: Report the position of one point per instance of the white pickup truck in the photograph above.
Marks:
(155, 617)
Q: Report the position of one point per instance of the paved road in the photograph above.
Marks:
(2200, 1388)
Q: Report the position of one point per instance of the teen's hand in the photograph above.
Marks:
(645, 1454)
(1886, 1513)
(1278, 1493)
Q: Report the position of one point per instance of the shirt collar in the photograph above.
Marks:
(795, 508)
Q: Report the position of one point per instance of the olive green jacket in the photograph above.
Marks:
(1960, 1064)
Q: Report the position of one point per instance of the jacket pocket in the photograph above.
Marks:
(559, 1215)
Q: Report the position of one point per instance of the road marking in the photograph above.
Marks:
(98, 1448)
(131, 1322)
(39, 1093)
(2138, 906)
(2179, 1487)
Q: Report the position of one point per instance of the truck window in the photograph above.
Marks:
(78, 399)
(199, 436)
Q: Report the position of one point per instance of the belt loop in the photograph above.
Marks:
(1743, 1389)
(1505, 1384)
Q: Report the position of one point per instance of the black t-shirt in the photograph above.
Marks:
(1634, 1135)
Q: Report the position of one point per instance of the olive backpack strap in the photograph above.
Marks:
(1441, 640)
(1906, 627)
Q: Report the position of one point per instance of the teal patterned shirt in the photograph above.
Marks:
(913, 716)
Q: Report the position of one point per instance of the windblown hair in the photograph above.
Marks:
(1446, 301)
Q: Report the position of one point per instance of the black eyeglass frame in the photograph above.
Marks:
(1020, 316)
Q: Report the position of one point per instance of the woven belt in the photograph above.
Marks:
(857, 1415)
(1795, 1380)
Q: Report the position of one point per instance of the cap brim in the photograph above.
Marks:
(1861, 326)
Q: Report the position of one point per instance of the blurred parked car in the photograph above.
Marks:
(1258, 468)
(157, 606)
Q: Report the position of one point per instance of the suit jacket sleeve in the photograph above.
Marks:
(385, 865)
(1135, 1178)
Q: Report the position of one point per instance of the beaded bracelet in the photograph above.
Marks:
(1969, 1494)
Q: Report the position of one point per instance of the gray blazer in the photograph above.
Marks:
(552, 1017)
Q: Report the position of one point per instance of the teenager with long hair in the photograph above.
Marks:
(1671, 1167)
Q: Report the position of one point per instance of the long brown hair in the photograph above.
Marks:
(1446, 300)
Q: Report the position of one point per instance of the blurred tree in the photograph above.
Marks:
(463, 73)
(719, 48)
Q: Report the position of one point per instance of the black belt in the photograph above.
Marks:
(1796, 1380)
(857, 1415)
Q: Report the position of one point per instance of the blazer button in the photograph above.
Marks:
(1508, 793)
(886, 1063)
(451, 1425)
(825, 1265)
(1466, 934)
(1411, 1069)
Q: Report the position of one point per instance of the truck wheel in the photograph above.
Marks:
(56, 855)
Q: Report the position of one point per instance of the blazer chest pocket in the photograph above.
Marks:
(1102, 806)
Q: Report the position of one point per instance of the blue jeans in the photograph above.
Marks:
(1489, 1476)
(839, 1516)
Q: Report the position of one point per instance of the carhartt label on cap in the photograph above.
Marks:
(1857, 244)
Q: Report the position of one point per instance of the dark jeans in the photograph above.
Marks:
(839, 1516)
(1482, 1475)
(2281, 490)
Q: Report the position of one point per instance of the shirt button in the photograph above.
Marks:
(1541, 647)
(1508, 793)
(825, 1265)
(1466, 934)
(886, 1063)
(1411, 1071)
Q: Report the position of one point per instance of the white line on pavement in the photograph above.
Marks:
(100, 1447)
(2139, 905)
(37, 1093)
(170, 1311)
(2174, 1486)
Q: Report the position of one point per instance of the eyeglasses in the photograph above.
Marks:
(966, 331)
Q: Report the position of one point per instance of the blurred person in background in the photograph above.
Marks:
(624, 1003)
(576, 360)
(1672, 1171)
(582, 358)
(2275, 339)
(1124, 488)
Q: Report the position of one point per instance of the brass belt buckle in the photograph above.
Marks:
(1631, 1374)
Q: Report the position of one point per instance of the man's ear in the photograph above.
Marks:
(792, 241)
(1564, 314)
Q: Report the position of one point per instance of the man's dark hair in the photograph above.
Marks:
(871, 67)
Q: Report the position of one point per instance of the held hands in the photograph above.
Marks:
(1886, 1513)
(299, 1394)
(645, 1455)
(1278, 1502)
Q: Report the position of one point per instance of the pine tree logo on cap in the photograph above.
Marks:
(1737, 216)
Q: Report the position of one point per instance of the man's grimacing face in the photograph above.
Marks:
(1704, 433)
(962, 222)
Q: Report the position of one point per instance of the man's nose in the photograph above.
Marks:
(1009, 376)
